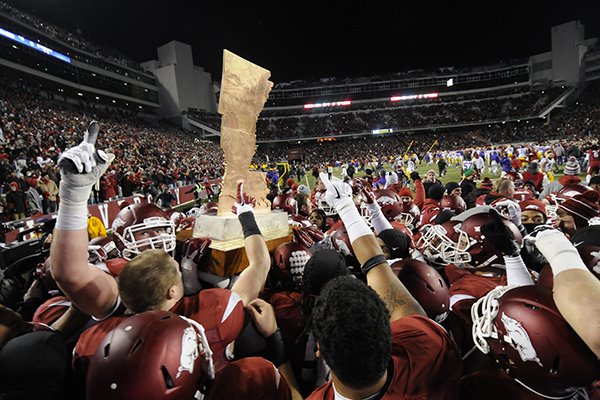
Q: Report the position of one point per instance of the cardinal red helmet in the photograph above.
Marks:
(143, 226)
(209, 208)
(286, 203)
(410, 214)
(528, 338)
(390, 202)
(522, 194)
(587, 242)
(175, 215)
(453, 202)
(152, 355)
(426, 285)
(404, 229)
(101, 249)
(288, 263)
(341, 243)
(459, 241)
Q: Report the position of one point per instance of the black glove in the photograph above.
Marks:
(415, 175)
(500, 235)
(532, 257)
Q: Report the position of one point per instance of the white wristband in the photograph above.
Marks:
(72, 215)
(559, 252)
(354, 222)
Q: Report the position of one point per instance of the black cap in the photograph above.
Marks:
(450, 186)
(436, 192)
(397, 242)
(323, 266)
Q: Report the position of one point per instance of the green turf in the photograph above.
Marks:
(453, 174)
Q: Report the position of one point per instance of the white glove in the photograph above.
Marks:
(338, 194)
(559, 251)
(80, 168)
(509, 210)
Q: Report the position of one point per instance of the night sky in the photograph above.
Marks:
(297, 40)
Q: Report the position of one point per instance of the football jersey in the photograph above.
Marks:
(425, 363)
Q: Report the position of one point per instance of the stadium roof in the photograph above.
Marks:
(323, 39)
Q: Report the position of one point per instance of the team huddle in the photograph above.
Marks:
(453, 291)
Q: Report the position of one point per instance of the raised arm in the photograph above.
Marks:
(379, 275)
(252, 280)
(93, 291)
(576, 290)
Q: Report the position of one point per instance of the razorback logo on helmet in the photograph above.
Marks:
(519, 340)
(189, 351)
(386, 201)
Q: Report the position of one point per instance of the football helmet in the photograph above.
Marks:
(143, 226)
(152, 355)
(525, 334)
(209, 208)
(340, 241)
(459, 241)
(453, 202)
(286, 203)
(288, 263)
(522, 194)
(410, 214)
(390, 202)
(100, 249)
(426, 285)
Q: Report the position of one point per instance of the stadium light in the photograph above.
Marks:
(450, 82)
(331, 104)
(415, 96)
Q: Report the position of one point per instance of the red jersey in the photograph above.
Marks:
(220, 311)
(466, 288)
(249, 378)
(425, 363)
(594, 156)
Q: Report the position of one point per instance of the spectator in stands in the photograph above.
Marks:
(95, 227)
(34, 197)
(165, 198)
(49, 191)
(17, 201)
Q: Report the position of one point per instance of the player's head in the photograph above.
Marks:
(151, 281)
(143, 226)
(352, 327)
(318, 218)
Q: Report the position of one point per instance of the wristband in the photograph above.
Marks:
(354, 222)
(372, 263)
(248, 222)
(275, 349)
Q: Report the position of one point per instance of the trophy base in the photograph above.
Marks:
(228, 256)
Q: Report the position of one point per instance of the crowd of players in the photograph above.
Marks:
(389, 288)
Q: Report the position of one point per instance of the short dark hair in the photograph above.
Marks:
(352, 326)
(146, 279)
